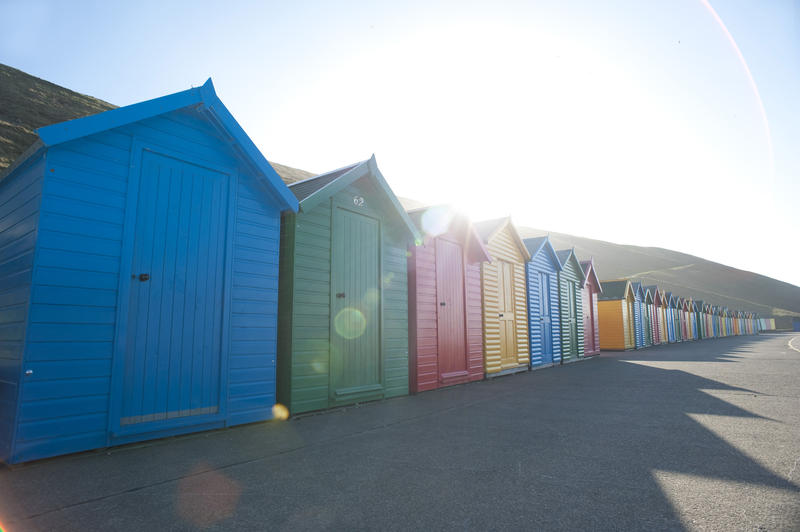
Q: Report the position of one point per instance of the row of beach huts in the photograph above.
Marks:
(158, 277)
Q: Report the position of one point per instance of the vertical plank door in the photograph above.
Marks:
(173, 355)
(451, 310)
(355, 365)
(508, 330)
(546, 318)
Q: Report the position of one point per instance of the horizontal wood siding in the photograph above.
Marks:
(542, 262)
(503, 246)
(311, 314)
(20, 195)
(423, 322)
(254, 304)
(395, 312)
(474, 322)
(569, 274)
(75, 299)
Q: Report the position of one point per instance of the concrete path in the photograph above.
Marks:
(698, 436)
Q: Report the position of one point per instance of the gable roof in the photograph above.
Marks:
(648, 295)
(542, 244)
(306, 187)
(310, 192)
(617, 289)
(589, 272)
(638, 291)
(487, 229)
(653, 289)
(457, 223)
(565, 255)
(205, 101)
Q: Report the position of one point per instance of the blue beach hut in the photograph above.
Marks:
(138, 278)
(544, 324)
(638, 313)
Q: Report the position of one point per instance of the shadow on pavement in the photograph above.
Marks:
(568, 448)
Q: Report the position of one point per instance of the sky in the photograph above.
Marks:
(670, 124)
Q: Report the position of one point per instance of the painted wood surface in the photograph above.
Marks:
(20, 196)
(544, 317)
(72, 401)
(445, 340)
(354, 347)
(505, 320)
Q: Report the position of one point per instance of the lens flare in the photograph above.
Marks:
(280, 412)
(350, 323)
(436, 220)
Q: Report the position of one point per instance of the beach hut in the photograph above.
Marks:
(444, 296)
(663, 309)
(592, 288)
(692, 319)
(544, 316)
(647, 325)
(570, 281)
(700, 307)
(131, 241)
(716, 323)
(343, 320)
(505, 309)
(672, 318)
(638, 321)
(683, 328)
(655, 314)
(615, 308)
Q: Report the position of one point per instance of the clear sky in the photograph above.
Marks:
(672, 124)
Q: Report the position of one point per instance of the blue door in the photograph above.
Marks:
(174, 335)
(546, 319)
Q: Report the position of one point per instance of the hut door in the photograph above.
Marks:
(572, 324)
(355, 360)
(588, 322)
(173, 356)
(450, 315)
(546, 319)
(508, 330)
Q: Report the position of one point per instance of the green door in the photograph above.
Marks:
(355, 362)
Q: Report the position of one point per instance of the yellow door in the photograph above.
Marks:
(505, 306)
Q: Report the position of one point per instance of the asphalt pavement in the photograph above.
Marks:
(695, 436)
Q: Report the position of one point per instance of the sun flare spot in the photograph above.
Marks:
(350, 323)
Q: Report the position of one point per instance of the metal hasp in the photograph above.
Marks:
(336, 350)
(171, 185)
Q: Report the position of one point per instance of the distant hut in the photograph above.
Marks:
(592, 288)
(544, 317)
(570, 280)
(615, 309)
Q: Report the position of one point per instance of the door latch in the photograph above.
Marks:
(144, 277)
(340, 295)
(442, 304)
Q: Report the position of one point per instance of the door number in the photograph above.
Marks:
(358, 201)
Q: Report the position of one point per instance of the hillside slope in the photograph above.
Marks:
(27, 103)
(684, 274)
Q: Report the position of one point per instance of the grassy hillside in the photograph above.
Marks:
(29, 103)
(684, 274)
